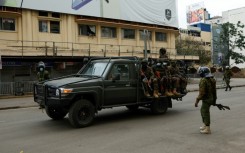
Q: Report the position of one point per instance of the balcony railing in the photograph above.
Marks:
(49, 48)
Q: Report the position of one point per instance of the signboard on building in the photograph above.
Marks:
(195, 13)
(159, 12)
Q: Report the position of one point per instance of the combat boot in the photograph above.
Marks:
(176, 93)
(147, 94)
(203, 127)
(226, 88)
(155, 94)
(230, 88)
(206, 130)
(169, 93)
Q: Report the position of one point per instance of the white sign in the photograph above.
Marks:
(159, 12)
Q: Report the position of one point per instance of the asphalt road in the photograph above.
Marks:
(29, 130)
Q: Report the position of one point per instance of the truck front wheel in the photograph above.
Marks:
(55, 113)
(81, 113)
(160, 106)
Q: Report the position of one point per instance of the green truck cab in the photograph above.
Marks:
(101, 83)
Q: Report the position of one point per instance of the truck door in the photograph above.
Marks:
(120, 86)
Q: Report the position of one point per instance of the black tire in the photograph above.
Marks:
(133, 107)
(55, 113)
(82, 113)
(160, 106)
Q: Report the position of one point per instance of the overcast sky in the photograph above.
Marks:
(214, 7)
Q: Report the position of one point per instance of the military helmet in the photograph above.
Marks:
(41, 64)
(144, 61)
(162, 51)
(159, 64)
(164, 64)
(204, 72)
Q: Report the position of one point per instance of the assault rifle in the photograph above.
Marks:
(222, 107)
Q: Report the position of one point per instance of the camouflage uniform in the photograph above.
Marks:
(174, 71)
(166, 81)
(43, 75)
(149, 79)
(208, 95)
(227, 76)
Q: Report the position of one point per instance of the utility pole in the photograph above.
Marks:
(146, 40)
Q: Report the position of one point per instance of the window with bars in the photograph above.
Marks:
(7, 24)
(87, 30)
(108, 32)
(160, 36)
(47, 25)
(128, 33)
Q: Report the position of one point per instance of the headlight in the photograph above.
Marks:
(62, 91)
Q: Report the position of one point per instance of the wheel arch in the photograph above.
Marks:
(93, 97)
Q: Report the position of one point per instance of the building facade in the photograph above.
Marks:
(197, 34)
(62, 40)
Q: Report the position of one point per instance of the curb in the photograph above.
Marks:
(16, 107)
(11, 96)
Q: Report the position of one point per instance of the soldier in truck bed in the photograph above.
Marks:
(174, 72)
(164, 78)
(163, 53)
(148, 79)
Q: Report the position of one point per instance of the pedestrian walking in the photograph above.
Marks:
(208, 95)
(227, 77)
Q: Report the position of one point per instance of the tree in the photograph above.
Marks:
(189, 46)
(232, 38)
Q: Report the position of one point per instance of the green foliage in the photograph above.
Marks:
(232, 38)
(189, 46)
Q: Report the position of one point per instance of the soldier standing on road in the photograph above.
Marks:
(227, 76)
(208, 95)
(42, 74)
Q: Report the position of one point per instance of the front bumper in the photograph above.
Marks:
(45, 96)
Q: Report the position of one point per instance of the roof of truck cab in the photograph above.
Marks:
(115, 60)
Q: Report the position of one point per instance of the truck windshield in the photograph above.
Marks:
(94, 69)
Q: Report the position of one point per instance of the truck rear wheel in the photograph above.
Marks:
(55, 113)
(160, 106)
(81, 113)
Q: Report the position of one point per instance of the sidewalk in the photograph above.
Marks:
(193, 84)
(13, 102)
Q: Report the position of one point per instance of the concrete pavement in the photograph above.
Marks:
(13, 102)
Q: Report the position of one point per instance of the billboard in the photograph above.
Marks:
(195, 13)
(159, 12)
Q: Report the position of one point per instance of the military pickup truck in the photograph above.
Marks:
(101, 83)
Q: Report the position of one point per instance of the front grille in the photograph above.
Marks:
(42, 90)
(51, 92)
